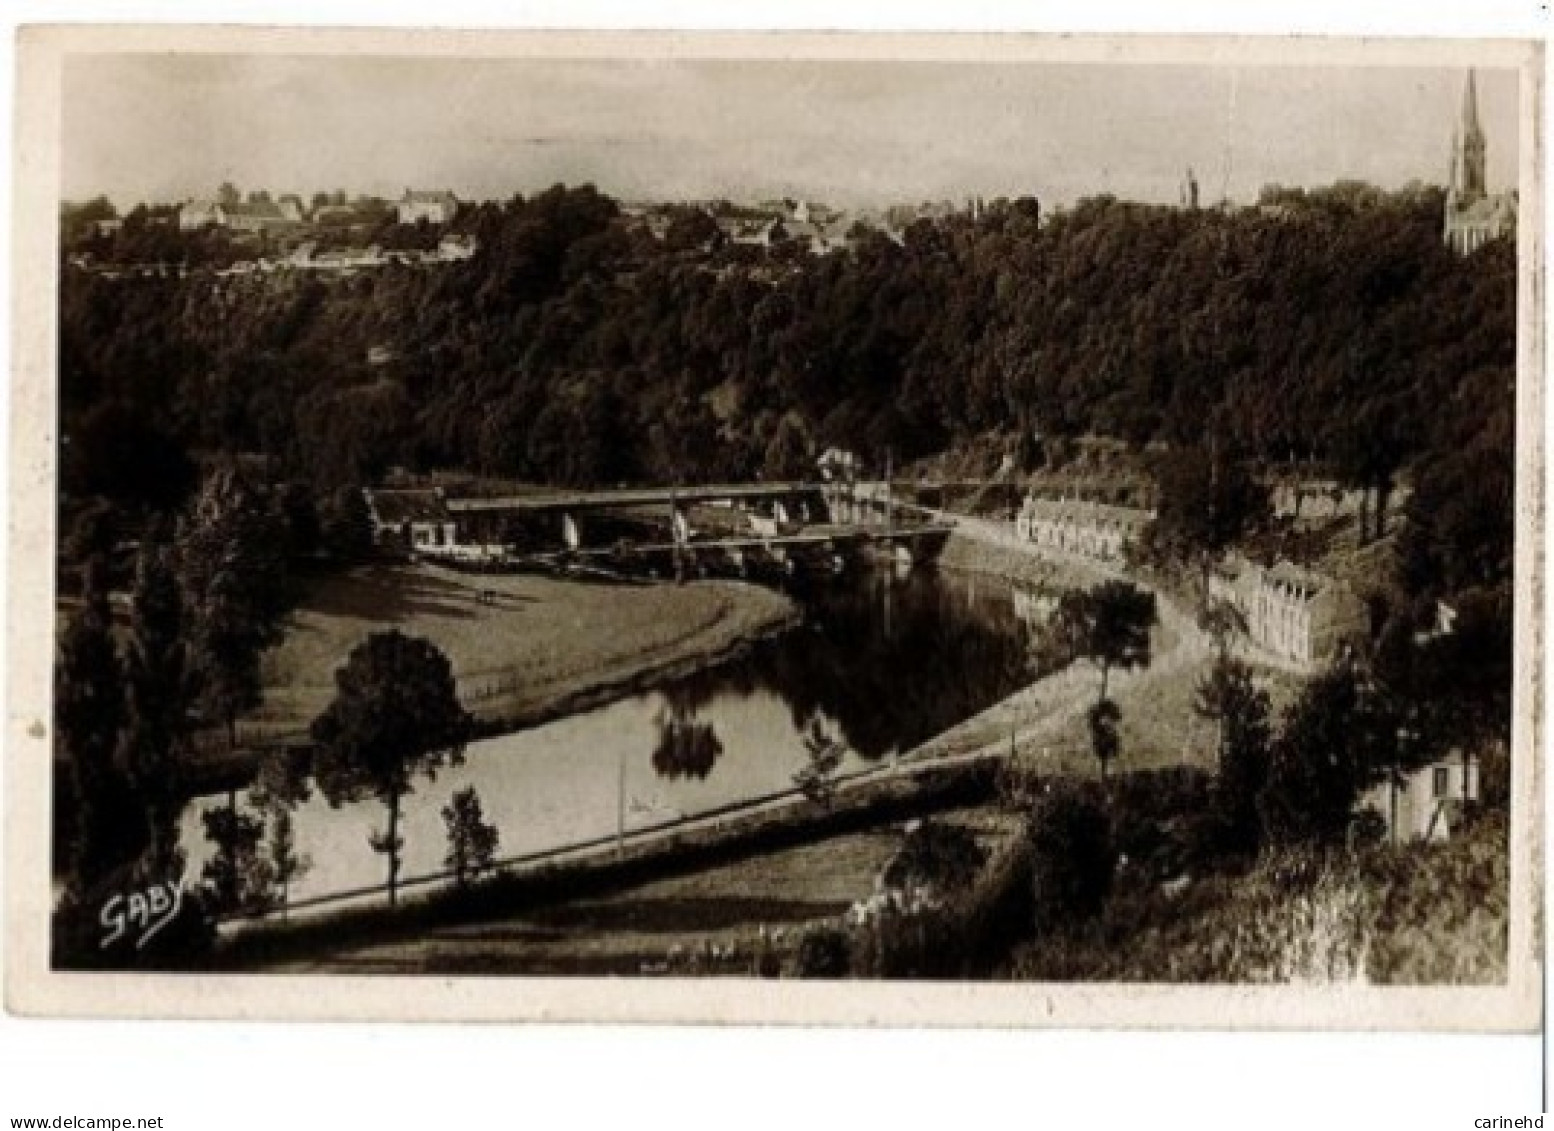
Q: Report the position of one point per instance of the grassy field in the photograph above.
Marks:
(707, 920)
(645, 928)
(531, 648)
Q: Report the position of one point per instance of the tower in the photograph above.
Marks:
(1469, 150)
(1190, 190)
(1474, 217)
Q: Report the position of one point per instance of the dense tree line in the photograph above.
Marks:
(575, 348)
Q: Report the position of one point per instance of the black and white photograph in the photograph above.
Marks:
(579, 513)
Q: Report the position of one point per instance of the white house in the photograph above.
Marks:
(433, 207)
(1425, 803)
(412, 519)
(452, 248)
(198, 214)
(254, 216)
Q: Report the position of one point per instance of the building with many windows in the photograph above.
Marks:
(1097, 531)
(1294, 614)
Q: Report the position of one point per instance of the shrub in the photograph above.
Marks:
(1442, 910)
(945, 858)
(824, 952)
(1332, 746)
(1495, 775)
(1073, 858)
(965, 936)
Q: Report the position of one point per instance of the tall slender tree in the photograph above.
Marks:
(1230, 698)
(1105, 721)
(472, 840)
(233, 567)
(156, 703)
(395, 715)
(88, 715)
(1108, 625)
(285, 862)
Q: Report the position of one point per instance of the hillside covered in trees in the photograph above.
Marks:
(577, 348)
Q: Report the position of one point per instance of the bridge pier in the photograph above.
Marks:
(681, 524)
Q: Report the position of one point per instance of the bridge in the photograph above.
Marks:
(735, 524)
(626, 498)
(775, 510)
(739, 555)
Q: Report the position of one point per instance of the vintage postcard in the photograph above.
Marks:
(776, 528)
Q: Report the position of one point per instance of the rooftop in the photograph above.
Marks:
(393, 508)
(418, 196)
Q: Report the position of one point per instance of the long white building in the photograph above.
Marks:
(1097, 531)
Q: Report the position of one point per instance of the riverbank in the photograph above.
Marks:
(993, 549)
(780, 862)
(524, 648)
(1044, 724)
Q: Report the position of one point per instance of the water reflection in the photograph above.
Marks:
(687, 747)
(893, 661)
(881, 664)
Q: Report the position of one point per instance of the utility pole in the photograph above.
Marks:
(620, 803)
(889, 501)
(674, 536)
(1213, 501)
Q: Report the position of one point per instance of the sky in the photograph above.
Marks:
(165, 127)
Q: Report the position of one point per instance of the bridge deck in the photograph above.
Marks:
(631, 497)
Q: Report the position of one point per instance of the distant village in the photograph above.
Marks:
(334, 233)
(261, 232)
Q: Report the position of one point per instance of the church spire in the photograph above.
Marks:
(1470, 124)
(1469, 148)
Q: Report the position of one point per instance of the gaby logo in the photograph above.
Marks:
(145, 912)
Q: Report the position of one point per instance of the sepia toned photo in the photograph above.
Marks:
(832, 528)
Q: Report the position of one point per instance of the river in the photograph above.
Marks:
(882, 662)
